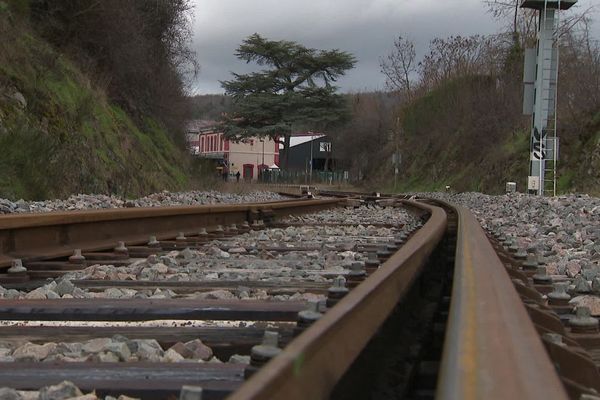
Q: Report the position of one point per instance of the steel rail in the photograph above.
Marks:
(491, 349)
(56, 234)
(311, 365)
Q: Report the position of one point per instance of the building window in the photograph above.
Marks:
(325, 146)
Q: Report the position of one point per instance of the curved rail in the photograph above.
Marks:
(56, 234)
(311, 365)
(491, 349)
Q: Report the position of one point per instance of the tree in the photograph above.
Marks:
(400, 65)
(137, 51)
(460, 56)
(296, 89)
(523, 22)
(579, 88)
(365, 140)
(505, 10)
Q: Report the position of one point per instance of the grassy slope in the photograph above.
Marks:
(69, 138)
(450, 134)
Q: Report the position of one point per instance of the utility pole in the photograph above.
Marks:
(311, 160)
(262, 167)
(397, 154)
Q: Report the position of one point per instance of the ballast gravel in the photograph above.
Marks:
(61, 391)
(160, 199)
(324, 252)
(314, 253)
(115, 349)
(563, 232)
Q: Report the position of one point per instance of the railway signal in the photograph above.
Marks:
(540, 78)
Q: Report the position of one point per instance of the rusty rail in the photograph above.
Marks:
(491, 349)
(56, 234)
(311, 365)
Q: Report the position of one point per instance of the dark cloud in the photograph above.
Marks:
(366, 28)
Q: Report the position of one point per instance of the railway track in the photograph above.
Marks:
(298, 299)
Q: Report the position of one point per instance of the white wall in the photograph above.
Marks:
(251, 153)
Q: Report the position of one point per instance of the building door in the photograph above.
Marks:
(248, 171)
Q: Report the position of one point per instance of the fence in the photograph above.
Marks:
(302, 177)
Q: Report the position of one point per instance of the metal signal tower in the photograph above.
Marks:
(540, 101)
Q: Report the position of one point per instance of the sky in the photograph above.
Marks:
(365, 28)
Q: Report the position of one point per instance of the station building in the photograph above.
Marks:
(248, 157)
(311, 151)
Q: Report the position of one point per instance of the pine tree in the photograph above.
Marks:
(294, 90)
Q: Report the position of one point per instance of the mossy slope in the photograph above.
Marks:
(466, 134)
(60, 135)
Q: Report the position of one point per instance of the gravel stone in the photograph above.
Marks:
(37, 294)
(182, 350)
(106, 356)
(239, 359)
(147, 350)
(172, 356)
(95, 345)
(65, 286)
(64, 390)
(70, 349)
(9, 394)
(33, 352)
(160, 268)
(89, 396)
(219, 295)
(199, 349)
(119, 349)
(593, 302)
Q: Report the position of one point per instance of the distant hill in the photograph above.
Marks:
(210, 106)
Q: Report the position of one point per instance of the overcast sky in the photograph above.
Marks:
(365, 28)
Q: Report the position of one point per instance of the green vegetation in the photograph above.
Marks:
(458, 143)
(579, 170)
(461, 145)
(60, 134)
(296, 88)
(459, 119)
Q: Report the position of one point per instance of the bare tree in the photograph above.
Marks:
(522, 23)
(365, 140)
(400, 65)
(505, 9)
(578, 20)
(579, 89)
(458, 56)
